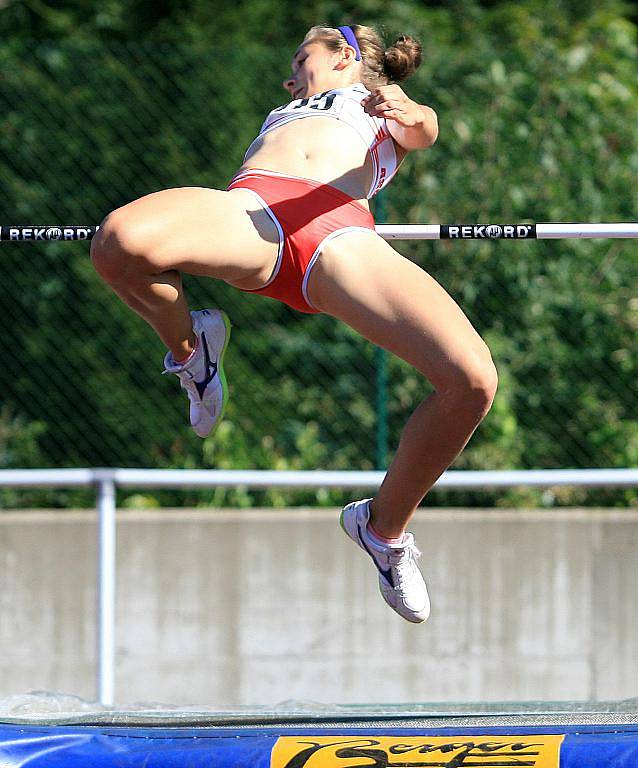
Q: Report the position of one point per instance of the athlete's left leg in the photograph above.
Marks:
(141, 251)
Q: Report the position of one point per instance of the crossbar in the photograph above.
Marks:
(522, 231)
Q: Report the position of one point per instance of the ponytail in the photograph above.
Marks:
(402, 58)
(379, 66)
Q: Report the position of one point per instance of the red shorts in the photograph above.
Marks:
(307, 214)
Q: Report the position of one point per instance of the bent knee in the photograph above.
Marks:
(120, 248)
(471, 384)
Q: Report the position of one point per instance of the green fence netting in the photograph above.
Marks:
(88, 126)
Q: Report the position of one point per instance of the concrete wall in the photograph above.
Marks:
(217, 608)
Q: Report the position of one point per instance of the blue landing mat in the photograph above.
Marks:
(565, 746)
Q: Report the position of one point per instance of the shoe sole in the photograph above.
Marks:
(221, 373)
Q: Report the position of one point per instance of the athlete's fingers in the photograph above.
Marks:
(389, 91)
(381, 99)
(387, 103)
(402, 116)
(377, 107)
(373, 98)
(394, 114)
(388, 110)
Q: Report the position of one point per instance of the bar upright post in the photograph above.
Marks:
(106, 587)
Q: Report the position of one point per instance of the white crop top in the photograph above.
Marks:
(344, 104)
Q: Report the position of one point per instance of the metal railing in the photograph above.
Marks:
(106, 482)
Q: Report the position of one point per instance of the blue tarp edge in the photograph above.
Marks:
(34, 746)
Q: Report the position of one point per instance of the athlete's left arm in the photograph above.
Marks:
(412, 125)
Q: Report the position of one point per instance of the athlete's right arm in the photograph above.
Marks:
(411, 125)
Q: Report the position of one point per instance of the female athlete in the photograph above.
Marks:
(294, 224)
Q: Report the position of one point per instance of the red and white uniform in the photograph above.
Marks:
(343, 104)
(308, 213)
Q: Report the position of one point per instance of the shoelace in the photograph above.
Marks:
(178, 373)
(404, 560)
(187, 384)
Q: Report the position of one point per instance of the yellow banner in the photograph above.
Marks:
(478, 751)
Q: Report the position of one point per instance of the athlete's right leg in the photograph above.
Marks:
(141, 249)
(361, 280)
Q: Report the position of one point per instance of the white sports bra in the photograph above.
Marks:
(344, 104)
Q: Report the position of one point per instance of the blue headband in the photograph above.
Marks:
(351, 40)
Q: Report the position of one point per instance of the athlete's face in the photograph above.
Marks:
(315, 69)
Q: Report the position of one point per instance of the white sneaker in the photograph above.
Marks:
(202, 376)
(400, 580)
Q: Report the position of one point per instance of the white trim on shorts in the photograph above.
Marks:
(280, 251)
(317, 254)
(248, 172)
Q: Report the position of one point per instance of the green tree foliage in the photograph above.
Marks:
(102, 103)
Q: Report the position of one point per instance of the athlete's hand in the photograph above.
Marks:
(391, 102)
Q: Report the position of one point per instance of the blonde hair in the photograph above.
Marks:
(381, 65)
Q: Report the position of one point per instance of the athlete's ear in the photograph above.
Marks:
(347, 55)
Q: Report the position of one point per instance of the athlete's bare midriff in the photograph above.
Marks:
(318, 148)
